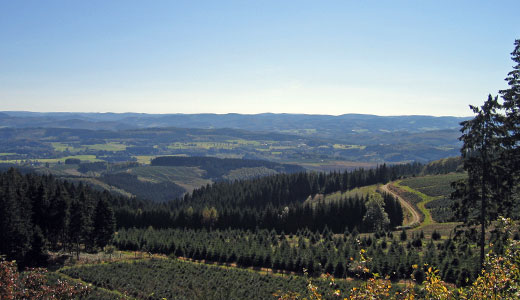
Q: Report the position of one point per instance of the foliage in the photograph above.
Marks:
(499, 279)
(481, 196)
(318, 252)
(490, 154)
(511, 97)
(376, 219)
(33, 284)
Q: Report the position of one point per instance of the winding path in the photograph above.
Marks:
(416, 216)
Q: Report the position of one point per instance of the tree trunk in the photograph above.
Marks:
(483, 216)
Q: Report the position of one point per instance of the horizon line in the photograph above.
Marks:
(228, 113)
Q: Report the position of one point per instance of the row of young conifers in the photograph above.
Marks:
(264, 222)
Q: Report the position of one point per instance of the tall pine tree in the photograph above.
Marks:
(482, 151)
(511, 97)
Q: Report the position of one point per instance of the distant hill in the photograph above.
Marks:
(294, 138)
(216, 168)
(297, 123)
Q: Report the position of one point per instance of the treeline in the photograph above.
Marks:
(218, 167)
(444, 166)
(317, 252)
(38, 212)
(284, 189)
(338, 216)
(273, 202)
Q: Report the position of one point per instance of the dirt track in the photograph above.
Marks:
(416, 217)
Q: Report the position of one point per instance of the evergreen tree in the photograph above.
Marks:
(58, 216)
(104, 223)
(481, 152)
(37, 255)
(76, 229)
(511, 98)
(376, 218)
(15, 218)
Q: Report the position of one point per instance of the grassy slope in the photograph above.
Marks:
(429, 188)
(360, 192)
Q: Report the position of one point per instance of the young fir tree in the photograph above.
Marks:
(376, 218)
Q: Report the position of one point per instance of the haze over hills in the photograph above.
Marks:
(255, 122)
(348, 128)
(293, 138)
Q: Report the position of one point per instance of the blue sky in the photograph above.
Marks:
(315, 57)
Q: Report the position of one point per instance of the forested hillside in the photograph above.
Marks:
(155, 191)
(38, 213)
(275, 202)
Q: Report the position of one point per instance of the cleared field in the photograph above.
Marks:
(60, 170)
(144, 159)
(107, 147)
(348, 147)
(222, 145)
(64, 147)
(431, 195)
(187, 177)
(246, 173)
(434, 185)
(359, 192)
(101, 185)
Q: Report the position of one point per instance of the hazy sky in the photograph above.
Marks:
(319, 57)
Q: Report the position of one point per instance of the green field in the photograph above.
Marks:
(111, 146)
(74, 148)
(370, 190)
(433, 185)
(357, 192)
(176, 279)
